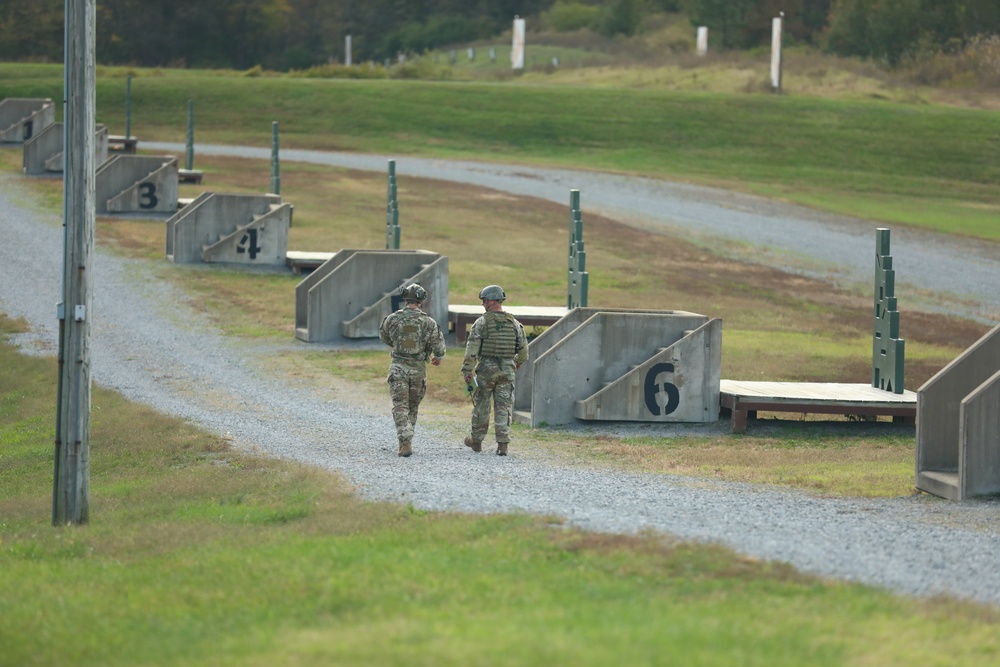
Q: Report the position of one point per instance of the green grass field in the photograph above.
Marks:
(200, 554)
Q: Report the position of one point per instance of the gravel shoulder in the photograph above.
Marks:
(149, 344)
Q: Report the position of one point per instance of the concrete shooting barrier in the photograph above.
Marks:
(136, 184)
(43, 153)
(958, 424)
(23, 118)
(230, 228)
(622, 365)
(349, 295)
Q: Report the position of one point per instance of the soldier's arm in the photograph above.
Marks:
(521, 355)
(435, 345)
(472, 348)
(383, 332)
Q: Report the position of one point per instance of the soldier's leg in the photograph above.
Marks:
(503, 407)
(481, 401)
(418, 387)
(399, 391)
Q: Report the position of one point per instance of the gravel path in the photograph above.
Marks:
(148, 344)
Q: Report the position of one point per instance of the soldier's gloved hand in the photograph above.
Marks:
(436, 361)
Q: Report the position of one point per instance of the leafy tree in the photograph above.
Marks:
(620, 17)
(891, 30)
(32, 29)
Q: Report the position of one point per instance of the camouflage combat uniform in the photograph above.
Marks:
(414, 337)
(496, 347)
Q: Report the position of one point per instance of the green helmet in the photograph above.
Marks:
(493, 293)
(413, 293)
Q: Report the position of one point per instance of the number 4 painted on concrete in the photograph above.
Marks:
(249, 239)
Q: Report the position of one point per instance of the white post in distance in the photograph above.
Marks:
(517, 46)
(702, 42)
(776, 52)
(347, 50)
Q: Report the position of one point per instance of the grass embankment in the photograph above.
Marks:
(903, 164)
(198, 554)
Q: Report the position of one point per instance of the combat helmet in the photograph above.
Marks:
(413, 293)
(493, 293)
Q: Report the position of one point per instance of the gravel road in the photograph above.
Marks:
(150, 345)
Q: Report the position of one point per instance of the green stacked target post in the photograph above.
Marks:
(577, 280)
(392, 230)
(275, 161)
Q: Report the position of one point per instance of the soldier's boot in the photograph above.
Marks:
(405, 448)
(475, 445)
(501, 449)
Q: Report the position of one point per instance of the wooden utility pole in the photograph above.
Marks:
(71, 488)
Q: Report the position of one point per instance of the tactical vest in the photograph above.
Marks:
(499, 336)
(407, 343)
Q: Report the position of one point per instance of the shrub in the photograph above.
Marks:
(366, 70)
(569, 16)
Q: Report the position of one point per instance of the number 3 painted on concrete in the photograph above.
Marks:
(652, 388)
(147, 195)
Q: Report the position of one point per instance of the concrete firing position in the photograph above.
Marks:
(622, 365)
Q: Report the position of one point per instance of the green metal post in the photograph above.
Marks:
(577, 275)
(392, 230)
(128, 107)
(275, 161)
(189, 159)
(888, 349)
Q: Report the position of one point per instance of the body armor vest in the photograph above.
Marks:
(407, 341)
(499, 336)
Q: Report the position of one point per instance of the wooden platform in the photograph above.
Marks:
(190, 176)
(121, 144)
(460, 318)
(745, 399)
(304, 262)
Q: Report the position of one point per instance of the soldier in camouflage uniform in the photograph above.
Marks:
(495, 350)
(415, 338)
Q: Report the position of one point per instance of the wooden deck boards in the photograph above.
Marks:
(744, 399)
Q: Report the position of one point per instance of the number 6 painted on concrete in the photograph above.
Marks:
(652, 388)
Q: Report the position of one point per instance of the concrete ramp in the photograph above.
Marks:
(958, 424)
(230, 228)
(348, 295)
(22, 118)
(44, 155)
(137, 184)
(628, 365)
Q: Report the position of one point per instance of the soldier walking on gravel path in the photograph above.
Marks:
(496, 348)
(415, 338)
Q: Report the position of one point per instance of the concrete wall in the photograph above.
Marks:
(574, 359)
(23, 118)
(980, 437)
(353, 280)
(215, 217)
(939, 419)
(43, 153)
(679, 383)
(433, 277)
(137, 184)
(264, 241)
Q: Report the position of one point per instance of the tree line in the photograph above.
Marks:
(298, 34)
